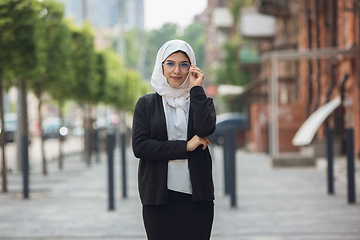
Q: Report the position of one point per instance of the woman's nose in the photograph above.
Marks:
(177, 69)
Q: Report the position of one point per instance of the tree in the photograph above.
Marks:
(20, 53)
(57, 77)
(123, 86)
(83, 60)
(132, 87)
(114, 68)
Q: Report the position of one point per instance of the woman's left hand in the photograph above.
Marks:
(196, 76)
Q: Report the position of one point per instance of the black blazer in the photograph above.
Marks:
(150, 143)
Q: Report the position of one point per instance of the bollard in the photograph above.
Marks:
(87, 147)
(110, 153)
(123, 165)
(25, 166)
(350, 165)
(96, 145)
(230, 148)
(227, 126)
(226, 166)
(330, 171)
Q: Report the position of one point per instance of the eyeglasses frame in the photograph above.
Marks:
(176, 66)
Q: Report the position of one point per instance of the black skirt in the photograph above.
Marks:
(180, 219)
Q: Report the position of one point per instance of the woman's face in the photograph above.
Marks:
(176, 77)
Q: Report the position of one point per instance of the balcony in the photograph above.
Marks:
(222, 18)
(255, 25)
(279, 8)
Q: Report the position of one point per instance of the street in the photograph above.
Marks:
(273, 204)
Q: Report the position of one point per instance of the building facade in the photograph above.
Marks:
(314, 56)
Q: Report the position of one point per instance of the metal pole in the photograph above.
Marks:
(24, 139)
(110, 153)
(330, 171)
(25, 166)
(276, 107)
(350, 165)
(123, 164)
(19, 132)
(87, 143)
(226, 166)
(273, 108)
(231, 151)
(96, 145)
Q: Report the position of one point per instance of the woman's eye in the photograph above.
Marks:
(170, 64)
(184, 64)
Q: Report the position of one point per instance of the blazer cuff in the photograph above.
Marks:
(197, 91)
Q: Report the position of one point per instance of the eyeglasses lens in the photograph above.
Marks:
(184, 67)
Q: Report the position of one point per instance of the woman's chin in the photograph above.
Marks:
(175, 84)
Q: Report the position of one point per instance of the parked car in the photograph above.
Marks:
(10, 120)
(51, 127)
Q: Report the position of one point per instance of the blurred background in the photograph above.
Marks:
(285, 74)
(82, 65)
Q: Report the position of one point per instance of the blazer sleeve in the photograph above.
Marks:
(203, 110)
(145, 147)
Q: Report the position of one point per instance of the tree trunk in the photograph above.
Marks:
(61, 138)
(3, 142)
(42, 139)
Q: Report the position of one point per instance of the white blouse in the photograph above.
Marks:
(176, 124)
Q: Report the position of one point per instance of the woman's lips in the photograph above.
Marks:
(176, 78)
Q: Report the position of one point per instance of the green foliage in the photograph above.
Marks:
(167, 32)
(21, 39)
(83, 61)
(123, 86)
(114, 69)
(236, 6)
(235, 10)
(229, 71)
(100, 75)
(194, 34)
(62, 71)
(58, 75)
(129, 93)
(134, 41)
(55, 56)
(155, 39)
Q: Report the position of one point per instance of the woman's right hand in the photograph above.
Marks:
(197, 141)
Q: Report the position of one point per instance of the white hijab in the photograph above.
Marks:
(175, 97)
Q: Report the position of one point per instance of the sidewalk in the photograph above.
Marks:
(273, 204)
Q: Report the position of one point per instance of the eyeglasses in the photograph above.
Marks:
(170, 66)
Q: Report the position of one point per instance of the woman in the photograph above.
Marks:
(170, 130)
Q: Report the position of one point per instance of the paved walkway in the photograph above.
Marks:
(273, 204)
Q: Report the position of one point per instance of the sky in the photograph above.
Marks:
(158, 12)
